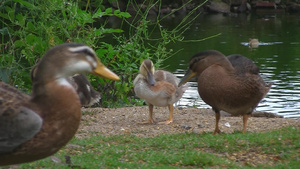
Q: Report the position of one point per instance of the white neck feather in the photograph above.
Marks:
(64, 82)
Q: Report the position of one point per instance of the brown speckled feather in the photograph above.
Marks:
(8, 97)
(18, 123)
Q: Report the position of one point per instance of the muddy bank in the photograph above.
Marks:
(113, 121)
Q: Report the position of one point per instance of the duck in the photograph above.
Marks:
(253, 43)
(87, 94)
(37, 126)
(232, 84)
(157, 88)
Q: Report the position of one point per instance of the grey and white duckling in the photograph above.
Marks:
(157, 88)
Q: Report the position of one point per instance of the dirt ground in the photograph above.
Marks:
(112, 121)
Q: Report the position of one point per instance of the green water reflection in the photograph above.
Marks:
(277, 55)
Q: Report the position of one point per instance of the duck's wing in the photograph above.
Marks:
(163, 89)
(245, 67)
(162, 75)
(157, 94)
(18, 123)
(242, 64)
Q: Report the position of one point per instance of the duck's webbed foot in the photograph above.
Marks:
(150, 121)
(171, 109)
(165, 122)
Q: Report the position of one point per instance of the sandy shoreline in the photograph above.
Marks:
(113, 121)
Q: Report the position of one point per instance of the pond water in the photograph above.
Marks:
(278, 54)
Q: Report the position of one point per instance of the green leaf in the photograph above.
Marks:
(112, 30)
(108, 11)
(21, 19)
(98, 14)
(30, 26)
(30, 39)
(8, 9)
(39, 45)
(84, 16)
(10, 13)
(101, 52)
(120, 14)
(57, 40)
(125, 14)
(5, 16)
(18, 43)
(97, 32)
(27, 4)
(117, 11)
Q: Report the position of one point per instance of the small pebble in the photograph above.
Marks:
(55, 159)
(201, 125)
(227, 124)
(186, 127)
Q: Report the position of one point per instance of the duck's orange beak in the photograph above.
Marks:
(189, 74)
(104, 72)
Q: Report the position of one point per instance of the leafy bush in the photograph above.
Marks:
(30, 28)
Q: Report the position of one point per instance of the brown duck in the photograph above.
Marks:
(32, 128)
(232, 84)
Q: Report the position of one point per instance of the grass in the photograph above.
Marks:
(274, 149)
